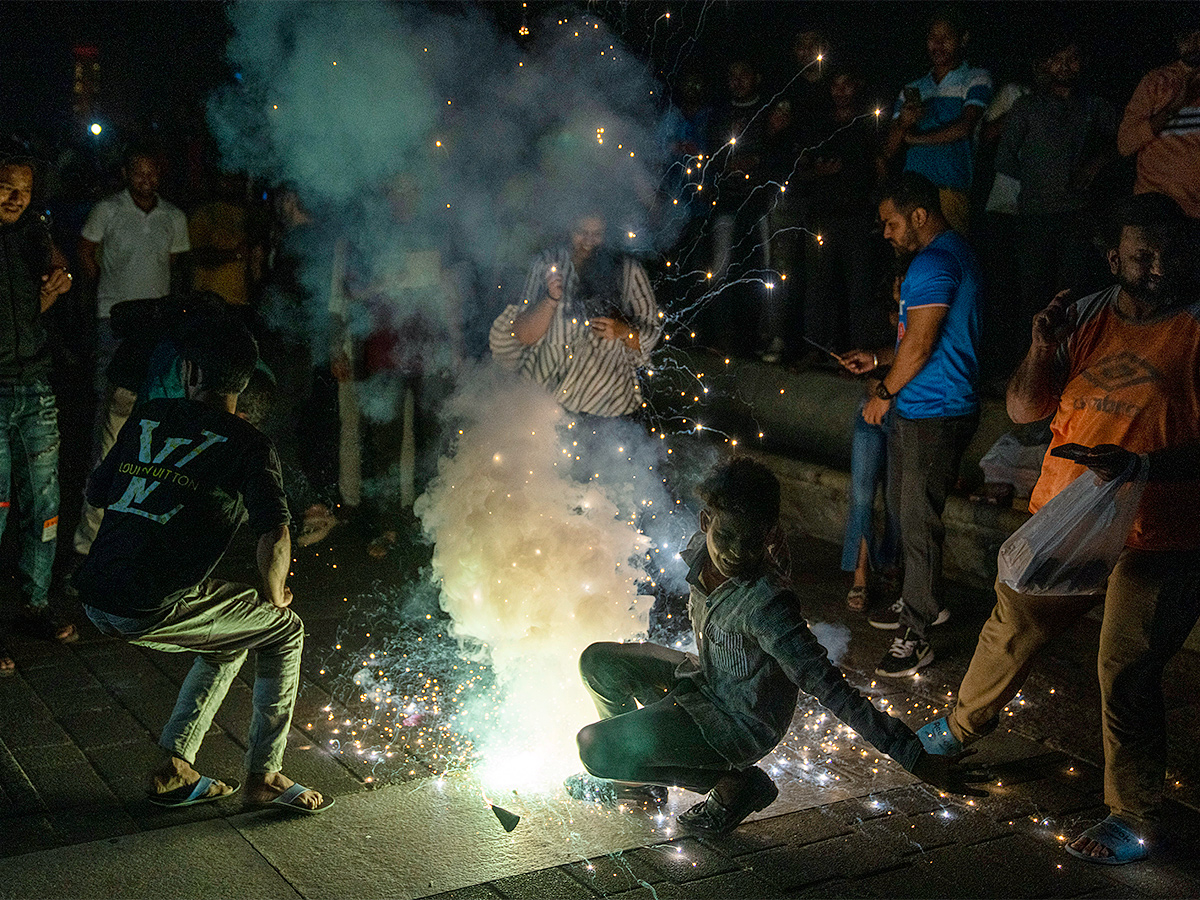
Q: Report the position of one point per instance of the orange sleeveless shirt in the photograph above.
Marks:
(1136, 385)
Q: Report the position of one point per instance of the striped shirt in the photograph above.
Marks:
(587, 373)
(1167, 161)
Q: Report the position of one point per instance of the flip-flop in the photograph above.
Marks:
(856, 598)
(192, 794)
(1124, 846)
(288, 798)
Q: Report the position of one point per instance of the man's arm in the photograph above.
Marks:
(55, 282)
(960, 128)
(923, 325)
(88, 258)
(1036, 386)
(274, 559)
(1152, 105)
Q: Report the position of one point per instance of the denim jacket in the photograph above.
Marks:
(755, 653)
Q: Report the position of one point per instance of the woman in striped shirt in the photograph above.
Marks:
(587, 321)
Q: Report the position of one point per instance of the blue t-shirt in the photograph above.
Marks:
(945, 273)
(947, 165)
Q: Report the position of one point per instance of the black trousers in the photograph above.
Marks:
(644, 735)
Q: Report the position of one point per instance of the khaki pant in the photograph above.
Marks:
(956, 207)
(221, 621)
(1150, 607)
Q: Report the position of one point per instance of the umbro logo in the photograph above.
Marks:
(1121, 370)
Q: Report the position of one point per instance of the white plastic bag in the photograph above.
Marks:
(1071, 544)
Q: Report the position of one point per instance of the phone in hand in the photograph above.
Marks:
(1072, 452)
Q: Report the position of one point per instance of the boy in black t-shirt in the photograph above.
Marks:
(181, 478)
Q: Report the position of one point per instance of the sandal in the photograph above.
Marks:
(40, 622)
(856, 598)
(289, 800)
(318, 522)
(383, 544)
(1124, 846)
(192, 794)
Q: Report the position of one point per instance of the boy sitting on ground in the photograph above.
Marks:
(702, 721)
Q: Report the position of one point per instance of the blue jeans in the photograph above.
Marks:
(871, 465)
(29, 468)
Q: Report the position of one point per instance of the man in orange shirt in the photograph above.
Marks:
(1120, 372)
(1162, 125)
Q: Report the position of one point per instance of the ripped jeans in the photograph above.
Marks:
(29, 469)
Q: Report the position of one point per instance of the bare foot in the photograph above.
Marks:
(262, 788)
(1089, 847)
(176, 773)
(7, 666)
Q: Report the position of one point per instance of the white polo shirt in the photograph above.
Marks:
(135, 248)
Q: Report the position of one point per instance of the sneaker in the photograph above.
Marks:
(757, 792)
(888, 618)
(905, 656)
(582, 786)
(937, 738)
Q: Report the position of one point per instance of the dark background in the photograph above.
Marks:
(160, 60)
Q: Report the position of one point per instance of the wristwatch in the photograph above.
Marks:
(882, 392)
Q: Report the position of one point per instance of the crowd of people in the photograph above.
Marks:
(1000, 221)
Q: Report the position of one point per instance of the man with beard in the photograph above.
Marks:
(1120, 372)
(933, 380)
(586, 323)
(1162, 125)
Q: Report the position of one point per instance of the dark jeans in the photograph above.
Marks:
(930, 452)
(659, 743)
(29, 467)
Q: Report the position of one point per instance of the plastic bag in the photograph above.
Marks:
(1071, 544)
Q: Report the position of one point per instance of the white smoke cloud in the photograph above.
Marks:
(533, 565)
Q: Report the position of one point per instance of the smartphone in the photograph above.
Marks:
(912, 94)
(1071, 451)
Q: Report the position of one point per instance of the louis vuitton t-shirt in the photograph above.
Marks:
(1137, 385)
(177, 484)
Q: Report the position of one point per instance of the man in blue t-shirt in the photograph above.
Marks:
(935, 116)
(933, 380)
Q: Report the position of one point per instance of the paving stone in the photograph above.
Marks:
(1016, 866)
(826, 889)
(794, 829)
(741, 884)
(548, 884)
(938, 828)
(69, 676)
(206, 860)
(30, 724)
(478, 892)
(64, 779)
(21, 797)
(1034, 798)
(97, 726)
(680, 861)
(92, 823)
(849, 856)
(922, 877)
(612, 874)
(26, 834)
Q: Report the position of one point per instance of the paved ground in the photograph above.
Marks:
(77, 726)
(77, 729)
